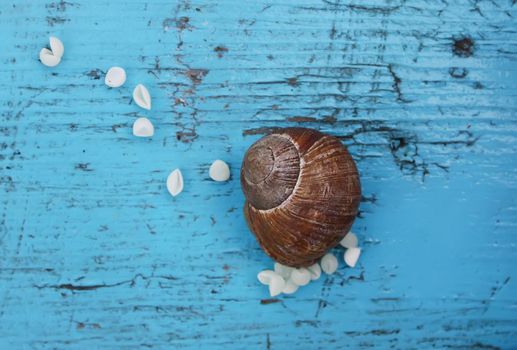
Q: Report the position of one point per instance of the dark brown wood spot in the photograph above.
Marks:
(463, 47)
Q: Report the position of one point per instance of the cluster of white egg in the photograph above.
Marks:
(116, 77)
(142, 127)
(287, 280)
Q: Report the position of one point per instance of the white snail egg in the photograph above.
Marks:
(290, 287)
(349, 241)
(329, 263)
(284, 271)
(265, 276)
(52, 57)
(351, 256)
(219, 171)
(115, 77)
(142, 127)
(57, 47)
(175, 182)
(315, 271)
(48, 59)
(142, 97)
(301, 276)
(276, 284)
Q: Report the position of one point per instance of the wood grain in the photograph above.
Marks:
(96, 254)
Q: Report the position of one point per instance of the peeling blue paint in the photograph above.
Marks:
(96, 254)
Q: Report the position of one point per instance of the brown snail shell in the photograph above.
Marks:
(302, 193)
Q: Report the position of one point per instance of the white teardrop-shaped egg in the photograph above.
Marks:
(265, 276)
(276, 285)
(351, 256)
(175, 182)
(349, 241)
(142, 97)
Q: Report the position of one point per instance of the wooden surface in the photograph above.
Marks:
(96, 254)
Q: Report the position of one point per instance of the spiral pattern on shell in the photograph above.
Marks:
(302, 194)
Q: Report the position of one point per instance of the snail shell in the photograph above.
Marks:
(302, 193)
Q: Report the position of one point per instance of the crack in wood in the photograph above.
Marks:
(396, 83)
(402, 144)
(90, 287)
(375, 332)
(220, 50)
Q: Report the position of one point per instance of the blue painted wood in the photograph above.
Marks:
(96, 254)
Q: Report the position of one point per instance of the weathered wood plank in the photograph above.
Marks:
(96, 254)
